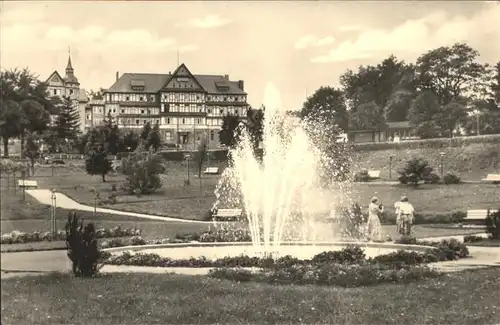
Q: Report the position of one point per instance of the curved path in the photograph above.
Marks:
(44, 196)
(30, 263)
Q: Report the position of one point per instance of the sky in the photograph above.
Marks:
(292, 48)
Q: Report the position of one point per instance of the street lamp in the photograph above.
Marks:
(442, 164)
(96, 196)
(53, 224)
(390, 166)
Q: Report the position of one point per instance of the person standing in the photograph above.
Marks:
(374, 226)
(407, 212)
(399, 226)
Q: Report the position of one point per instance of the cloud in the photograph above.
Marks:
(350, 28)
(188, 48)
(313, 41)
(210, 21)
(416, 36)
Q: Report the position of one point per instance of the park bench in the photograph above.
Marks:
(477, 216)
(228, 214)
(23, 183)
(211, 170)
(374, 174)
(494, 178)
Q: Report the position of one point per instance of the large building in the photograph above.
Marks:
(69, 86)
(186, 107)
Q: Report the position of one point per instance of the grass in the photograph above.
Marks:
(459, 298)
(485, 243)
(191, 202)
(472, 161)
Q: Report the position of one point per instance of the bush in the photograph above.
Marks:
(472, 239)
(142, 173)
(444, 250)
(493, 224)
(333, 274)
(419, 218)
(352, 221)
(81, 242)
(350, 255)
(415, 171)
(362, 176)
(19, 237)
(450, 178)
(432, 178)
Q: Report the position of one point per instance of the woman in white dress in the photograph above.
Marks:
(374, 226)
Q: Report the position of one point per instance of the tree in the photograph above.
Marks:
(32, 150)
(423, 111)
(154, 138)
(145, 132)
(495, 88)
(390, 84)
(97, 163)
(326, 106)
(451, 116)
(369, 116)
(255, 125)
(201, 155)
(229, 132)
(130, 141)
(111, 135)
(67, 124)
(24, 105)
(449, 72)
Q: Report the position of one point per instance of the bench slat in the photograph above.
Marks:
(211, 170)
(478, 214)
(374, 173)
(492, 178)
(27, 183)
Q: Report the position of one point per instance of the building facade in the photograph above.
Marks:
(186, 107)
(394, 131)
(69, 86)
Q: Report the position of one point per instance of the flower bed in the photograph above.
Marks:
(17, 237)
(346, 267)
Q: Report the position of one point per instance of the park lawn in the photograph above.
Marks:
(438, 199)
(485, 243)
(469, 297)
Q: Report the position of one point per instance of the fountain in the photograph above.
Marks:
(283, 194)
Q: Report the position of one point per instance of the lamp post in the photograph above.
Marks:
(390, 166)
(442, 163)
(187, 156)
(96, 196)
(53, 225)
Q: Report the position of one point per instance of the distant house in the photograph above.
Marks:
(394, 130)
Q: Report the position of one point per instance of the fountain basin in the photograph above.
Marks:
(301, 250)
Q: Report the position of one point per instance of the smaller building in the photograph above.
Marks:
(394, 131)
(69, 86)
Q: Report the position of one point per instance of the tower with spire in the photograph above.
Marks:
(69, 86)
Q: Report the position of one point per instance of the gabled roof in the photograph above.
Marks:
(54, 73)
(210, 82)
(154, 82)
(82, 96)
(176, 72)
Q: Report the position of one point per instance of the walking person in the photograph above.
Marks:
(407, 212)
(397, 211)
(374, 226)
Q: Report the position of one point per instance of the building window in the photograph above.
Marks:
(157, 121)
(144, 121)
(142, 111)
(141, 99)
(55, 91)
(127, 98)
(168, 136)
(123, 111)
(136, 121)
(212, 135)
(183, 121)
(168, 120)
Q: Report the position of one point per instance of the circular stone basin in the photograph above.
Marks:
(214, 251)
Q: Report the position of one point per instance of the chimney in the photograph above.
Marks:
(241, 85)
(226, 76)
(117, 75)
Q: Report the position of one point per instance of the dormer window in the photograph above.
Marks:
(137, 85)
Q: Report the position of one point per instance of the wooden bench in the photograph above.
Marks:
(228, 214)
(211, 170)
(374, 174)
(23, 183)
(477, 216)
(494, 178)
